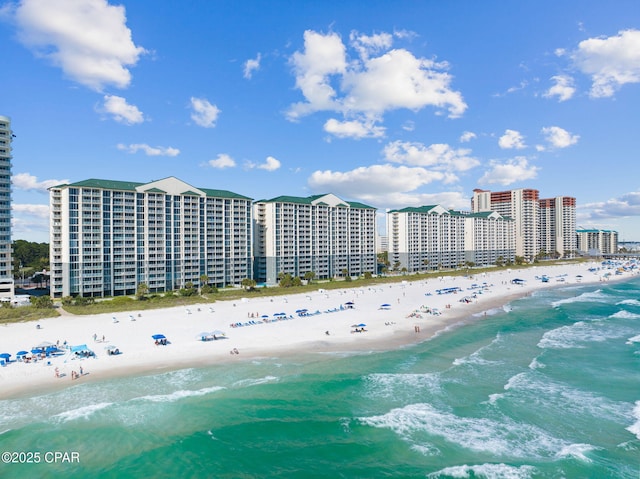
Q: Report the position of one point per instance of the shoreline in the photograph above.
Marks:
(395, 314)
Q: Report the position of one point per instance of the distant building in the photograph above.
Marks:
(320, 234)
(523, 207)
(558, 226)
(6, 263)
(595, 242)
(107, 237)
(382, 245)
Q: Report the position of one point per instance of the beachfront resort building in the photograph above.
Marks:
(425, 238)
(432, 237)
(107, 237)
(558, 227)
(320, 234)
(596, 242)
(6, 266)
(522, 205)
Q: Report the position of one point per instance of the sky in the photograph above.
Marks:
(388, 103)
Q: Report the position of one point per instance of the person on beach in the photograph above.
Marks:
(57, 372)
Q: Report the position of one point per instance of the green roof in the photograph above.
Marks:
(415, 209)
(310, 199)
(131, 186)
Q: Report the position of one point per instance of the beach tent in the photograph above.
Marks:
(204, 336)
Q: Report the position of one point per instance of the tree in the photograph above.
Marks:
(41, 302)
(204, 281)
(248, 284)
(142, 291)
(308, 276)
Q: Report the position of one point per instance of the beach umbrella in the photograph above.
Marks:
(159, 336)
(22, 353)
(203, 335)
(5, 356)
(361, 325)
(217, 332)
(51, 349)
(110, 347)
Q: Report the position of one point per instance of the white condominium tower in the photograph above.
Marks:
(558, 227)
(425, 237)
(322, 234)
(489, 238)
(108, 236)
(595, 242)
(6, 275)
(523, 206)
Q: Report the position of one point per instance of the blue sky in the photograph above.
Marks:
(393, 104)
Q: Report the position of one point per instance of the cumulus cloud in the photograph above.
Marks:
(386, 186)
(623, 206)
(149, 150)
(270, 164)
(378, 80)
(516, 169)
(558, 137)
(467, 136)
(30, 221)
(511, 139)
(563, 88)
(121, 111)
(251, 65)
(28, 182)
(222, 161)
(88, 39)
(353, 129)
(204, 113)
(439, 156)
(610, 61)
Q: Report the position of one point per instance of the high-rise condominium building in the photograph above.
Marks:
(321, 234)
(558, 226)
(489, 238)
(6, 267)
(425, 237)
(108, 236)
(596, 242)
(523, 206)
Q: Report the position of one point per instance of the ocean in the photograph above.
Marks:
(548, 387)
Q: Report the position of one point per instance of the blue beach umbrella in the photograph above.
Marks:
(361, 325)
(158, 336)
(5, 355)
(22, 353)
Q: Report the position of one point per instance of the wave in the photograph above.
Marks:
(548, 394)
(629, 302)
(502, 437)
(576, 451)
(82, 412)
(635, 339)
(488, 471)
(255, 382)
(574, 335)
(177, 395)
(382, 385)
(476, 357)
(623, 314)
(596, 296)
(536, 364)
(635, 427)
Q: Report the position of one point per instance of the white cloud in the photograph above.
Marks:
(121, 111)
(623, 206)
(610, 61)
(511, 139)
(28, 182)
(558, 137)
(149, 150)
(88, 39)
(353, 129)
(438, 156)
(516, 169)
(222, 161)
(251, 65)
(204, 113)
(370, 85)
(30, 222)
(467, 136)
(563, 89)
(270, 164)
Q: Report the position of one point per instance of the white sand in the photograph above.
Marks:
(385, 328)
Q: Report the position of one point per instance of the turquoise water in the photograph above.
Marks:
(550, 389)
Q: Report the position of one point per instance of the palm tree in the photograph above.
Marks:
(204, 280)
(142, 290)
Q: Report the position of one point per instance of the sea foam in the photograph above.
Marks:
(596, 296)
(635, 427)
(82, 412)
(487, 471)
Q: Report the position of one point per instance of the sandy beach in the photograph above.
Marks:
(393, 315)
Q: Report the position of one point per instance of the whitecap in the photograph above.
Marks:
(502, 436)
(256, 381)
(635, 427)
(635, 339)
(623, 314)
(630, 302)
(536, 364)
(82, 412)
(577, 451)
(177, 395)
(578, 333)
(488, 471)
(596, 296)
(476, 357)
(383, 385)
